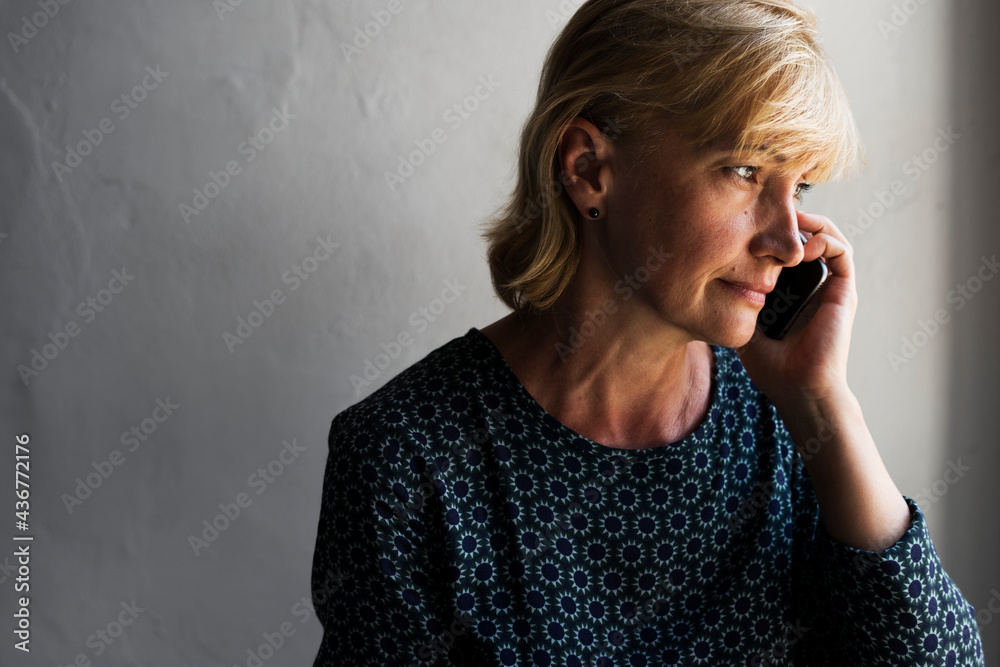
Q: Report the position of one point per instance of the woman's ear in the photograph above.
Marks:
(585, 167)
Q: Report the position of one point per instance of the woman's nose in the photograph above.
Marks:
(779, 235)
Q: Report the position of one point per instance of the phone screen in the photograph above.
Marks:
(795, 287)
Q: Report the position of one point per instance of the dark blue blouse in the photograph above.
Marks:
(461, 524)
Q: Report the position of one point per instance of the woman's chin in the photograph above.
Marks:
(737, 334)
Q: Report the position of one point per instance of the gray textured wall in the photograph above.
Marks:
(151, 403)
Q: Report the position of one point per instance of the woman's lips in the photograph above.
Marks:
(754, 294)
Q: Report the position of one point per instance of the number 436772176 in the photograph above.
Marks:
(22, 489)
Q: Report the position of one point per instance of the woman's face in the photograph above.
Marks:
(728, 226)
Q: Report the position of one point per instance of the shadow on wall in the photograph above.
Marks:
(972, 529)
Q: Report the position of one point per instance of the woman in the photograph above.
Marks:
(621, 472)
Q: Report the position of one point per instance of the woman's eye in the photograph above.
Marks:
(801, 190)
(746, 172)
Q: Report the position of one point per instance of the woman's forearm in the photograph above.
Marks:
(859, 503)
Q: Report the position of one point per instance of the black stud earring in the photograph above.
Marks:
(595, 213)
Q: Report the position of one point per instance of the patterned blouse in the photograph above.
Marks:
(461, 524)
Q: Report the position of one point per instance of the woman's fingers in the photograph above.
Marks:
(828, 242)
(818, 224)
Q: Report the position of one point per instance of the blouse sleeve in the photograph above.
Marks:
(379, 582)
(897, 607)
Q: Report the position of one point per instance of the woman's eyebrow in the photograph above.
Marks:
(727, 146)
(722, 152)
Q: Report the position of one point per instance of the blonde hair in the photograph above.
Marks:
(746, 71)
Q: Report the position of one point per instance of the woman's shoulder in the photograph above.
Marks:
(739, 406)
(427, 395)
(733, 385)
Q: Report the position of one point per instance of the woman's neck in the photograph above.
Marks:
(604, 376)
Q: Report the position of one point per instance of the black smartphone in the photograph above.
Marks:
(796, 286)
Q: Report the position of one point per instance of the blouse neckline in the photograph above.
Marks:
(696, 440)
